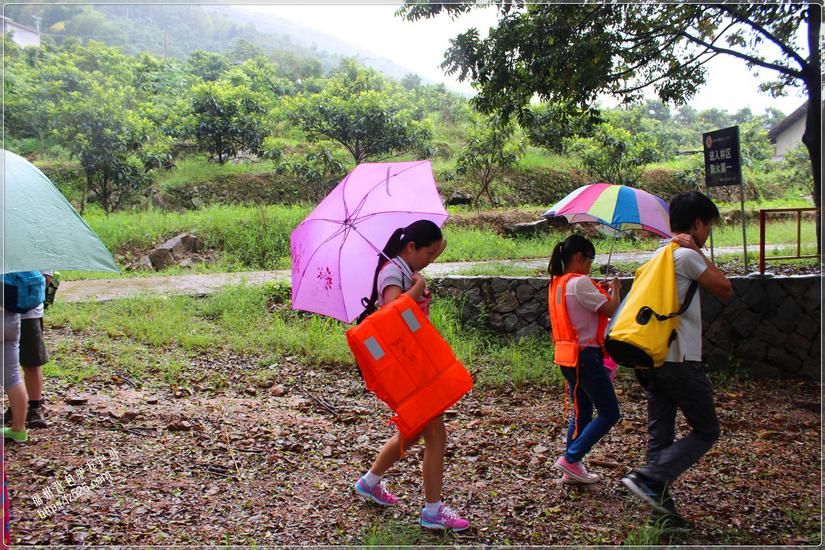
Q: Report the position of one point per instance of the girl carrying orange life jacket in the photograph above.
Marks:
(579, 309)
(409, 250)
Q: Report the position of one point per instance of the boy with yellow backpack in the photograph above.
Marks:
(681, 382)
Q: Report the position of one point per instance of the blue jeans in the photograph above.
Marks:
(594, 389)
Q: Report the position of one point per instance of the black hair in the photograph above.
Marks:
(564, 251)
(686, 208)
(422, 233)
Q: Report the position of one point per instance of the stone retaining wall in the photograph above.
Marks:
(772, 326)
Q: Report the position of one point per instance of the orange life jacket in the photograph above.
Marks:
(408, 365)
(565, 339)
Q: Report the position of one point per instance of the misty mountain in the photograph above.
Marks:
(311, 38)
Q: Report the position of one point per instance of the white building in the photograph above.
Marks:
(21, 35)
(788, 133)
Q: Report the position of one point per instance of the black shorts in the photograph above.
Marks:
(32, 347)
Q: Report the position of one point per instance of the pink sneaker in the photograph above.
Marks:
(446, 519)
(567, 480)
(575, 470)
(377, 494)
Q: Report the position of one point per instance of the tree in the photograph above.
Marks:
(102, 130)
(244, 50)
(615, 155)
(548, 125)
(317, 166)
(226, 119)
(490, 149)
(575, 52)
(371, 118)
(208, 65)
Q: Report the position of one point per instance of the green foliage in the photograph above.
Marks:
(367, 115)
(797, 167)
(490, 149)
(99, 128)
(648, 534)
(318, 167)
(570, 54)
(548, 125)
(615, 155)
(209, 66)
(227, 118)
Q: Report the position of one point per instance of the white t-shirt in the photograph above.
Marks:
(687, 346)
(583, 303)
(37, 312)
(395, 272)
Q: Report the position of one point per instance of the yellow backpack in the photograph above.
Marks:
(638, 335)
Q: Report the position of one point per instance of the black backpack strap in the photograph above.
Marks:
(691, 291)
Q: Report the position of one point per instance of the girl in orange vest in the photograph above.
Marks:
(409, 250)
(579, 309)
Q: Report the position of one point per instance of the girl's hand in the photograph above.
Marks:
(615, 286)
(418, 281)
(419, 285)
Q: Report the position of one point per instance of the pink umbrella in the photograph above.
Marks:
(335, 249)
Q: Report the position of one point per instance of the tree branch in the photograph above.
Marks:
(667, 74)
(770, 36)
(740, 55)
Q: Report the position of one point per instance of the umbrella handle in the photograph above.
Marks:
(609, 257)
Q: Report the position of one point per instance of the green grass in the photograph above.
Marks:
(647, 534)
(496, 361)
(502, 270)
(395, 534)
(250, 238)
(541, 158)
(197, 169)
(775, 232)
(467, 244)
(155, 339)
(790, 200)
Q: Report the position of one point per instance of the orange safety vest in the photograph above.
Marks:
(408, 365)
(565, 339)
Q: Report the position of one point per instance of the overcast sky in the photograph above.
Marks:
(420, 46)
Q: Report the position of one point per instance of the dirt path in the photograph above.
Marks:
(246, 465)
(110, 289)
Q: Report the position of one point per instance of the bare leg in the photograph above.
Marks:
(34, 382)
(389, 455)
(435, 445)
(19, 401)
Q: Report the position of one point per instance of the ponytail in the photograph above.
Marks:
(422, 233)
(556, 265)
(564, 251)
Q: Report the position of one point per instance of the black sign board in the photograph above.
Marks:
(722, 165)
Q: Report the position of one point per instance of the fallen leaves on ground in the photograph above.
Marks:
(242, 466)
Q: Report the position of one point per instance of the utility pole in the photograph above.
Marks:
(164, 47)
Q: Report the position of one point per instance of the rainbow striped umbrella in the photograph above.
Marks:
(617, 206)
